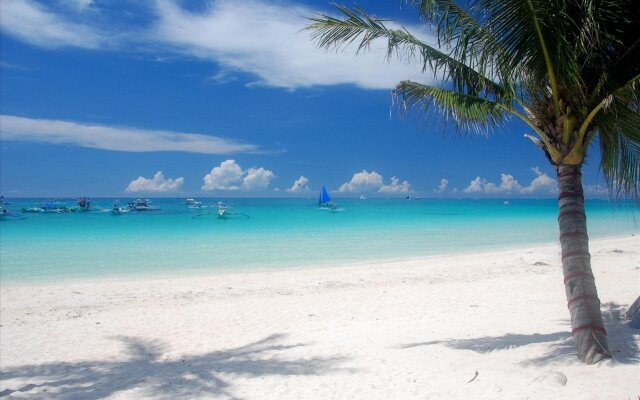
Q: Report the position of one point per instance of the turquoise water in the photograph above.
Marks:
(278, 233)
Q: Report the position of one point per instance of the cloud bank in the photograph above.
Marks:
(157, 184)
(115, 138)
(230, 176)
(365, 181)
(395, 186)
(508, 185)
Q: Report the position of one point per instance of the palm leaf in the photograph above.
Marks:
(456, 26)
(358, 26)
(470, 113)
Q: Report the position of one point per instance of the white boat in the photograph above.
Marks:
(363, 197)
(224, 211)
(193, 203)
(142, 205)
(117, 210)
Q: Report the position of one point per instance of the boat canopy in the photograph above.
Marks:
(324, 196)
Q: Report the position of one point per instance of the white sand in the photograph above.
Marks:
(409, 329)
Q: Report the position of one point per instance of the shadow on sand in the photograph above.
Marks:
(623, 341)
(153, 375)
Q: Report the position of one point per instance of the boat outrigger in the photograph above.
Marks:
(117, 210)
(51, 207)
(223, 211)
(193, 203)
(142, 205)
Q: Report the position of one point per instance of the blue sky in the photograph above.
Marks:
(228, 98)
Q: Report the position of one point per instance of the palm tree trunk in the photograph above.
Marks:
(582, 297)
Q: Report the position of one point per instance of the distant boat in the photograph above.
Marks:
(142, 205)
(363, 197)
(506, 202)
(193, 203)
(51, 207)
(117, 210)
(3, 211)
(83, 204)
(324, 201)
(223, 211)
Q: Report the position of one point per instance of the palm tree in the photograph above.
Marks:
(570, 69)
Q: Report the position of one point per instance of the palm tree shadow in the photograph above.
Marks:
(146, 369)
(623, 341)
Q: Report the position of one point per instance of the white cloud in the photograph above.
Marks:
(508, 184)
(541, 183)
(262, 38)
(442, 186)
(230, 176)
(362, 182)
(227, 176)
(267, 40)
(366, 181)
(475, 186)
(114, 138)
(257, 179)
(300, 185)
(37, 25)
(157, 184)
(396, 186)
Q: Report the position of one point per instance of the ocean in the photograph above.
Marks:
(275, 234)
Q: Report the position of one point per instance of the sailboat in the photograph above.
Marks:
(324, 201)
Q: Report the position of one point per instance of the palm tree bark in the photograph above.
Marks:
(582, 297)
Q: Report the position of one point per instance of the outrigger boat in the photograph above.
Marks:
(117, 210)
(193, 203)
(52, 207)
(83, 204)
(142, 205)
(3, 210)
(222, 211)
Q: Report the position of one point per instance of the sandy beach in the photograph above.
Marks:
(491, 325)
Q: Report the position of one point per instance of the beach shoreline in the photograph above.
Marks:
(147, 274)
(414, 328)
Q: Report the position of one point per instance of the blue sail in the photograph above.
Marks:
(324, 196)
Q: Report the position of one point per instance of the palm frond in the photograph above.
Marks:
(459, 28)
(470, 113)
(361, 28)
(535, 35)
(619, 129)
(628, 94)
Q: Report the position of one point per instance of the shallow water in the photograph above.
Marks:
(276, 233)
